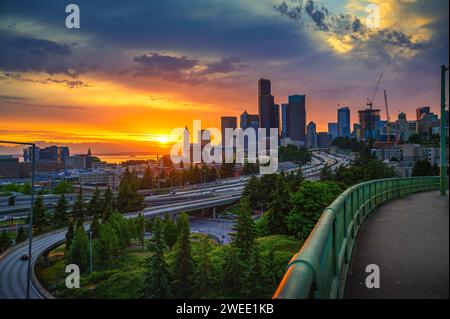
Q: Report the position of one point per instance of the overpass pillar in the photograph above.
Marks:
(214, 212)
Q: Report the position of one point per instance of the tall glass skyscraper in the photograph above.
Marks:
(268, 111)
(343, 117)
(296, 118)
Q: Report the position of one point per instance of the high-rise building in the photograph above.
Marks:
(227, 122)
(50, 153)
(249, 121)
(368, 119)
(421, 111)
(343, 117)
(283, 112)
(296, 118)
(311, 135)
(268, 112)
(333, 130)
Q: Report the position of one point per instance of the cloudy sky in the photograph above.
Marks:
(137, 69)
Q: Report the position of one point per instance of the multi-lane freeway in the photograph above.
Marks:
(13, 271)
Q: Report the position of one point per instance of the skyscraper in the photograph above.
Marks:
(268, 113)
(296, 118)
(333, 130)
(311, 135)
(249, 121)
(421, 111)
(283, 112)
(343, 117)
(227, 122)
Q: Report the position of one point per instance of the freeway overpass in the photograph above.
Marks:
(13, 271)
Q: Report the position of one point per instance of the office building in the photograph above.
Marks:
(333, 130)
(368, 120)
(249, 121)
(343, 115)
(311, 135)
(227, 122)
(268, 112)
(283, 112)
(50, 153)
(296, 118)
(9, 166)
(422, 111)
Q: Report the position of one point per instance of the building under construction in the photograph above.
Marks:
(368, 120)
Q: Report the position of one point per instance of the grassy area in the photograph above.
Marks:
(17, 222)
(125, 277)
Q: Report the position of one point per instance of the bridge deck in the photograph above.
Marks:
(409, 240)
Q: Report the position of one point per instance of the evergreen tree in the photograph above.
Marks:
(60, 214)
(69, 236)
(128, 198)
(106, 246)
(79, 210)
(270, 272)
(95, 227)
(244, 233)
(147, 179)
(140, 228)
(21, 235)
(232, 273)
(157, 276)
(107, 213)
(204, 276)
(107, 200)
(184, 263)
(95, 205)
(253, 279)
(121, 228)
(278, 208)
(252, 192)
(79, 250)
(170, 231)
(39, 214)
(5, 241)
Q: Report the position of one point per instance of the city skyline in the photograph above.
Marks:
(123, 82)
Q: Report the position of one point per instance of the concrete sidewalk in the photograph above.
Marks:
(408, 239)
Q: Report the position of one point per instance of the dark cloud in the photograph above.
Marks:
(69, 83)
(38, 46)
(155, 62)
(225, 65)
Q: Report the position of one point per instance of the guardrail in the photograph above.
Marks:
(319, 269)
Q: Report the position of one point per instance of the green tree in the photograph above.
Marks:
(107, 200)
(204, 274)
(253, 279)
(39, 214)
(128, 198)
(157, 276)
(79, 210)
(107, 246)
(63, 187)
(244, 233)
(147, 179)
(79, 250)
(232, 273)
(121, 228)
(169, 231)
(69, 236)
(422, 168)
(95, 205)
(307, 206)
(140, 224)
(60, 214)
(184, 263)
(252, 191)
(278, 208)
(21, 235)
(95, 227)
(5, 242)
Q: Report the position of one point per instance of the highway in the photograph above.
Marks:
(13, 271)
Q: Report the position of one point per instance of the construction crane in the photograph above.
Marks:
(370, 105)
(370, 101)
(388, 125)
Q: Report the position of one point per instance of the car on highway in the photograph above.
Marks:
(24, 257)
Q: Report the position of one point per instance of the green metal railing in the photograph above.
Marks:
(319, 269)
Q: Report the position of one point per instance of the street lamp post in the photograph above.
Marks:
(443, 134)
(30, 221)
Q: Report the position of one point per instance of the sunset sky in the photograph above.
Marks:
(137, 69)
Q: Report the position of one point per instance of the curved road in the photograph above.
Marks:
(13, 271)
